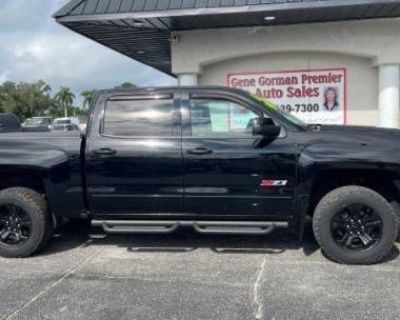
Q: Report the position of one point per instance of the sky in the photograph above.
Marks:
(33, 46)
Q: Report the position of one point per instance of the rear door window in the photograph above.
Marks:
(139, 118)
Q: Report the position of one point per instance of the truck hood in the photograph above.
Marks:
(360, 134)
(351, 143)
(359, 130)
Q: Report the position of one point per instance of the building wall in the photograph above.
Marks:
(362, 47)
(362, 77)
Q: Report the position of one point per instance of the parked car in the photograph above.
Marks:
(9, 123)
(215, 159)
(37, 124)
(64, 127)
(83, 119)
(66, 121)
(65, 124)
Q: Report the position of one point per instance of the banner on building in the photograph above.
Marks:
(315, 96)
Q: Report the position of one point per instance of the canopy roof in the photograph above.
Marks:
(140, 29)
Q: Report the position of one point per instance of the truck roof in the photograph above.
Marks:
(174, 89)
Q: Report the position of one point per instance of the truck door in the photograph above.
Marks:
(133, 156)
(226, 173)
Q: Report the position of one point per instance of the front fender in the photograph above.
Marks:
(51, 171)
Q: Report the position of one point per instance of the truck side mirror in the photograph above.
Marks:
(266, 128)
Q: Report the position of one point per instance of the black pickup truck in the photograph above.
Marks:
(215, 159)
(9, 123)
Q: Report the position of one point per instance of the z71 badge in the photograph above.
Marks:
(273, 183)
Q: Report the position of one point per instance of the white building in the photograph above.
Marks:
(300, 54)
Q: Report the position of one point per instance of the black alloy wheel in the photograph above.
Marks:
(15, 225)
(358, 227)
(25, 222)
(355, 225)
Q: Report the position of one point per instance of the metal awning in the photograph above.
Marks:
(140, 29)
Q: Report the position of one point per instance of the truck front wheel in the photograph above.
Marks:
(355, 225)
(25, 224)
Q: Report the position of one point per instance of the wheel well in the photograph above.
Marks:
(383, 183)
(31, 180)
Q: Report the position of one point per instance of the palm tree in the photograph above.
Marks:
(43, 87)
(65, 98)
(88, 96)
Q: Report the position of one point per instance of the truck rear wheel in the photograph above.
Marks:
(25, 224)
(355, 225)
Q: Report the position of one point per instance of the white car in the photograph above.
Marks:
(65, 124)
(69, 120)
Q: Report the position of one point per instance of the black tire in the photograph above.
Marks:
(335, 202)
(396, 208)
(35, 208)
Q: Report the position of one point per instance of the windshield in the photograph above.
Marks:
(38, 121)
(275, 109)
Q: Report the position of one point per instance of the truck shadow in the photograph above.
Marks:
(78, 234)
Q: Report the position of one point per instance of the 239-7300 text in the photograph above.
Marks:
(300, 107)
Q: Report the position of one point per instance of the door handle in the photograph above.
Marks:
(104, 152)
(199, 151)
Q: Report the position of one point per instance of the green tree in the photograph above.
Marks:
(8, 97)
(64, 98)
(126, 85)
(25, 99)
(88, 96)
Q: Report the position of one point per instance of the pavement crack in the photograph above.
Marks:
(51, 285)
(256, 291)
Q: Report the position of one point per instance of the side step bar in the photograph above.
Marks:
(206, 227)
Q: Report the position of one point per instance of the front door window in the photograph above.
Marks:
(220, 118)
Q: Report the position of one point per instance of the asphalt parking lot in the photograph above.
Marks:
(87, 275)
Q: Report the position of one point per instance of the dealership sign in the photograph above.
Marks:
(315, 96)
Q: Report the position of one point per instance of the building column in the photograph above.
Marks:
(188, 79)
(389, 95)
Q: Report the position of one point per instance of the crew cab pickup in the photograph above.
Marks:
(215, 159)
